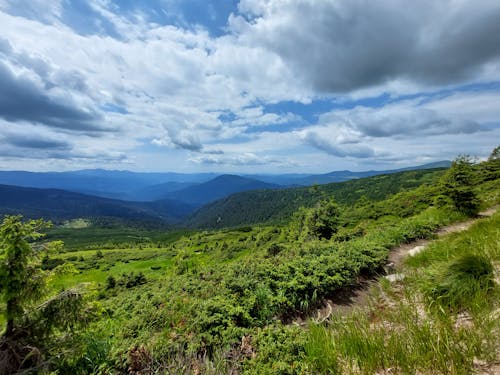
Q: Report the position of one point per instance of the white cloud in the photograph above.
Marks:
(206, 98)
(342, 46)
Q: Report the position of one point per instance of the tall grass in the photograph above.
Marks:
(403, 342)
(440, 319)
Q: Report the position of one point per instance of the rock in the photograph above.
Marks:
(416, 250)
(395, 277)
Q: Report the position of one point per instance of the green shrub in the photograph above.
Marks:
(51, 263)
(466, 279)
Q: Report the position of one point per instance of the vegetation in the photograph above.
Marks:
(26, 339)
(439, 319)
(458, 183)
(227, 300)
(278, 206)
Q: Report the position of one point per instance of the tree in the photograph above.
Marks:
(495, 155)
(323, 220)
(21, 280)
(31, 327)
(458, 184)
(491, 167)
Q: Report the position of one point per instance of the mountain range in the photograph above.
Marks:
(164, 197)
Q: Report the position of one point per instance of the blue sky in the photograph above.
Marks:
(248, 86)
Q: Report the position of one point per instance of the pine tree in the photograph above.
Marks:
(21, 279)
(458, 184)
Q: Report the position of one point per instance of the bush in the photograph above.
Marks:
(463, 281)
(110, 282)
(274, 249)
(51, 263)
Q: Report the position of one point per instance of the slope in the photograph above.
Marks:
(274, 205)
(57, 205)
(217, 188)
(99, 182)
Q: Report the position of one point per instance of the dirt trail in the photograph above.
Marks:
(358, 295)
(397, 254)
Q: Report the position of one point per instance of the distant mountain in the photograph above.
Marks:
(253, 207)
(58, 205)
(157, 192)
(104, 183)
(142, 187)
(339, 176)
(217, 188)
(232, 200)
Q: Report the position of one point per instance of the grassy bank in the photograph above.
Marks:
(442, 318)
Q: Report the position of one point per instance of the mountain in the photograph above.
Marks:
(339, 176)
(217, 188)
(99, 182)
(55, 204)
(135, 186)
(157, 192)
(274, 205)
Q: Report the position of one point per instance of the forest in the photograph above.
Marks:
(262, 282)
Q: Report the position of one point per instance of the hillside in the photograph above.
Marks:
(104, 183)
(58, 205)
(274, 205)
(338, 176)
(256, 202)
(244, 300)
(217, 188)
(194, 188)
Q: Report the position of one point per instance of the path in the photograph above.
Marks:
(358, 295)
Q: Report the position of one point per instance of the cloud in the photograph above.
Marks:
(37, 142)
(244, 159)
(404, 119)
(21, 99)
(185, 140)
(389, 132)
(341, 46)
(120, 80)
(351, 150)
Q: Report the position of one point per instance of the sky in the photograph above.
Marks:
(248, 86)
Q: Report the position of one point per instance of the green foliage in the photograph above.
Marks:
(495, 155)
(129, 280)
(463, 282)
(323, 220)
(277, 206)
(21, 281)
(398, 333)
(65, 311)
(51, 263)
(223, 301)
(490, 170)
(458, 184)
(279, 350)
(32, 331)
(110, 282)
(274, 249)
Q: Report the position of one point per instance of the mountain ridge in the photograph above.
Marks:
(57, 204)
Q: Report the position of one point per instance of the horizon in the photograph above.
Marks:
(257, 173)
(246, 86)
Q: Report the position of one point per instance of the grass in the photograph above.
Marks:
(404, 332)
(79, 235)
(483, 239)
